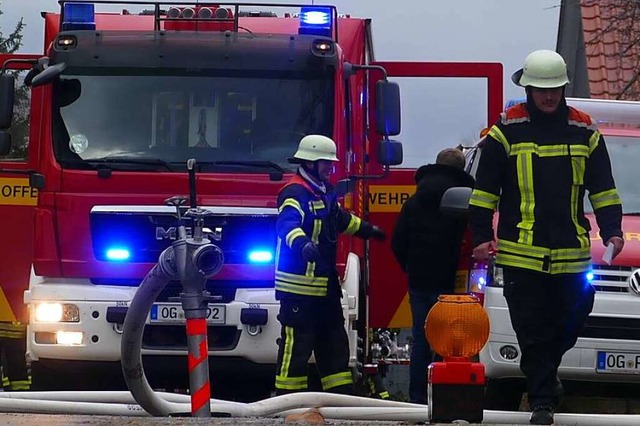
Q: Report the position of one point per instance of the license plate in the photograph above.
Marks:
(620, 363)
(172, 312)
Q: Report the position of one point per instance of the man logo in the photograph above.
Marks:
(634, 281)
(172, 233)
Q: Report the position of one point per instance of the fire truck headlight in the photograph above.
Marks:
(57, 312)
(69, 338)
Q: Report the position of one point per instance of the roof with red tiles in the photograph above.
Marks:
(611, 30)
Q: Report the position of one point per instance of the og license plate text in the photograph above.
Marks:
(172, 312)
(620, 363)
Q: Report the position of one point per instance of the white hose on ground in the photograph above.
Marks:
(33, 406)
(334, 407)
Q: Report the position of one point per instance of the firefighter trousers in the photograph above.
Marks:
(312, 325)
(13, 346)
(547, 312)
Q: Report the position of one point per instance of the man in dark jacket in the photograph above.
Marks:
(426, 243)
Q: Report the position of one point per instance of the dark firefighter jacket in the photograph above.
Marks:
(539, 166)
(426, 242)
(306, 214)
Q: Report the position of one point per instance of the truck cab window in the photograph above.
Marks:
(173, 118)
(20, 126)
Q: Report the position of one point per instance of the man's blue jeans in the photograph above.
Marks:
(421, 302)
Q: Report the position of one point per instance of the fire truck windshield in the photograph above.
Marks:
(163, 120)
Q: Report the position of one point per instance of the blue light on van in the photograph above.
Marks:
(118, 254)
(260, 256)
(315, 21)
(79, 16)
(513, 102)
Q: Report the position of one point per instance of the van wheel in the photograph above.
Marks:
(504, 394)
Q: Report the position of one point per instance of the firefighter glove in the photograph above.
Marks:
(310, 252)
(377, 233)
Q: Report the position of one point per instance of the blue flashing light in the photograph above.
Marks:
(316, 21)
(590, 276)
(79, 16)
(260, 256)
(118, 254)
(514, 102)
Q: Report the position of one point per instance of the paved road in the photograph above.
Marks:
(67, 420)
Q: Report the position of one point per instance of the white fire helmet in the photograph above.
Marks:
(543, 69)
(316, 147)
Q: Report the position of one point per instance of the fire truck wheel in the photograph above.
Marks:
(504, 394)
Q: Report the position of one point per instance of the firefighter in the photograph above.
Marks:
(13, 342)
(537, 162)
(306, 277)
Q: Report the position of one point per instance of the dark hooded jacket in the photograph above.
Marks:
(425, 241)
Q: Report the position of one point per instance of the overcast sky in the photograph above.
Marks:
(436, 113)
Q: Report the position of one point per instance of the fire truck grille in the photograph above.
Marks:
(612, 328)
(222, 291)
(611, 279)
(174, 337)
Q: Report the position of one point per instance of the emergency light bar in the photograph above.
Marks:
(79, 16)
(316, 21)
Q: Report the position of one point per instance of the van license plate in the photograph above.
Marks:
(620, 363)
(172, 312)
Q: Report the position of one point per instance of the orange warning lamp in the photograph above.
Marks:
(457, 326)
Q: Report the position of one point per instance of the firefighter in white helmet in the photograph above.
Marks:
(306, 277)
(537, 162)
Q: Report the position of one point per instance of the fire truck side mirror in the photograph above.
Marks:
(7, 95)
(390, 152)
(48, 75)
(387, 105)
(36, 180)
(345, 186)
(455, 201)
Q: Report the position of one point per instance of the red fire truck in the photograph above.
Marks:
(119, 102)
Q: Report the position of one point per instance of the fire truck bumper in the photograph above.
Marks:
(91, 327)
